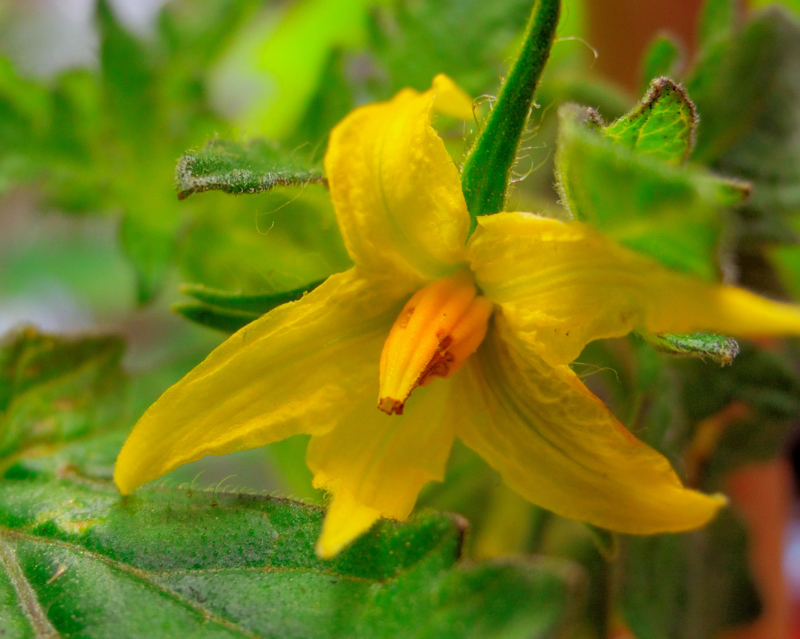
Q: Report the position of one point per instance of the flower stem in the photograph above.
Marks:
(486, 172)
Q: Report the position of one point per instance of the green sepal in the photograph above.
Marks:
(229, 311)
(253, 167)
(219, 319)
(487, 169)
(259, 304)
(717, 348)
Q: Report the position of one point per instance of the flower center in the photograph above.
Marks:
(439, 327)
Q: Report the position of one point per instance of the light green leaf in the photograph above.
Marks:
(254, 167)
(662, 126)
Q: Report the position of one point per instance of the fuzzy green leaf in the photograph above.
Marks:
(662, 126)
(253, 167)
(79, 559)
(171, 563)
(668, 212)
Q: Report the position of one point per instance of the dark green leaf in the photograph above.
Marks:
(662, 126)
(220, 319)
(748, 105)
(228, 311)
(663, 57)
(169, 563)
(236, 301)
(254, 167)
(56, 390)
(718, 348)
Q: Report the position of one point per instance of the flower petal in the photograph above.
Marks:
(286, 373)
(562, 285)
(559, 446)
(380, 462)
(345, 521)
(396, 191)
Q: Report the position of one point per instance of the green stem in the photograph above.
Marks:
(486, 172)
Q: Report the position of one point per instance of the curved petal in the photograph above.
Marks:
(377, 463)
(396, 191)
(286, 373)
(559, 446)
(562, 285)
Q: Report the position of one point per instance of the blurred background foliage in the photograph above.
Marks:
(98, 101)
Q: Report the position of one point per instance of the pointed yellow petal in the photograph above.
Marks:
(345, 521)
(396, 191)
(558, 446)
(288, 372)
(562, 285)
(383, 461)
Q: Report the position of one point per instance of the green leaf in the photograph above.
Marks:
(668, 212)
(56, 390)
(207, 564)
(254, 167)
(718, 348)
(662, 57)
(79, 559)
(662, 126)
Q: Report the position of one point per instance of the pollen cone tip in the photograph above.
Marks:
(391, 406)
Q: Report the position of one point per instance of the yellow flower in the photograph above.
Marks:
(451, 338)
